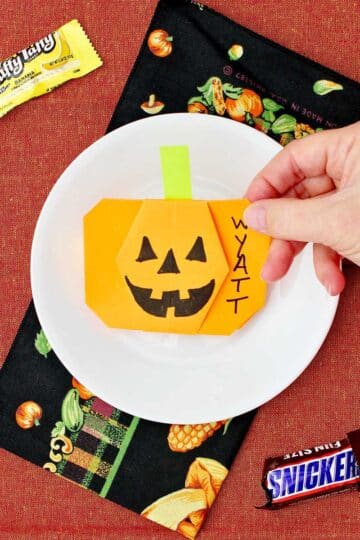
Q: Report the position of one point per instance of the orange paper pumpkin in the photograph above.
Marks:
(173, 265)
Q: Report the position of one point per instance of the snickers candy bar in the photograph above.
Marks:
(312, 472)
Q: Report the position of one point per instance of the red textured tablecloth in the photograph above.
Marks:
(37, 141)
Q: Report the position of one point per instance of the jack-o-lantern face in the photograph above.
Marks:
(185, 307)
(173, 265)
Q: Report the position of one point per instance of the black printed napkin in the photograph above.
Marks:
(195, 60)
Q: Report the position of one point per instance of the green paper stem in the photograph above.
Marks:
(175, 164)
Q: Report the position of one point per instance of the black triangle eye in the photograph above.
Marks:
(197, 252)
(146, 251)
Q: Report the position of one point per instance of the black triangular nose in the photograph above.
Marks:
(169, 265)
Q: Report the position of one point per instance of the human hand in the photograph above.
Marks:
(310, 192)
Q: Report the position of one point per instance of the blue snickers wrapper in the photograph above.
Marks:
(312, 472)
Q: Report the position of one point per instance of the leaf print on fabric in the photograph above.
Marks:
(197, 99)
(207, 91)
(226, 425)
(198, 104)
(271, 105)
(323, 87)
(59, 429)
(176, 510)
(213, 95)
(41, 344)
(185, 510)
(232, 91)
(269, 116)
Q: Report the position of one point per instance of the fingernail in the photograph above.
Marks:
(255, 217)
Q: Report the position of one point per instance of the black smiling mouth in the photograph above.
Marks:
(198, 298)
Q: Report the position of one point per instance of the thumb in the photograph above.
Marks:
(309, 220)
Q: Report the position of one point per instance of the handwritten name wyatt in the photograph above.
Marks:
(239, 269)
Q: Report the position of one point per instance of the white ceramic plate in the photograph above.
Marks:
(167, 377)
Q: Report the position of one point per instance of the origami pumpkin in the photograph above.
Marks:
(181, 266)
(173, 265)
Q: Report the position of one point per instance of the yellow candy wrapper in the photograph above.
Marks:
(60, 56)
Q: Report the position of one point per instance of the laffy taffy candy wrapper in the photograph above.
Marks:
(60, 56)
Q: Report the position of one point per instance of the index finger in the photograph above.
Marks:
(305, 158)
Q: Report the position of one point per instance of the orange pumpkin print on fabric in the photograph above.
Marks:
(84, 392)
(197, 107)
(244, 105)
(247, 102)
(160, 43)
(28, 414)
(181, 266)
